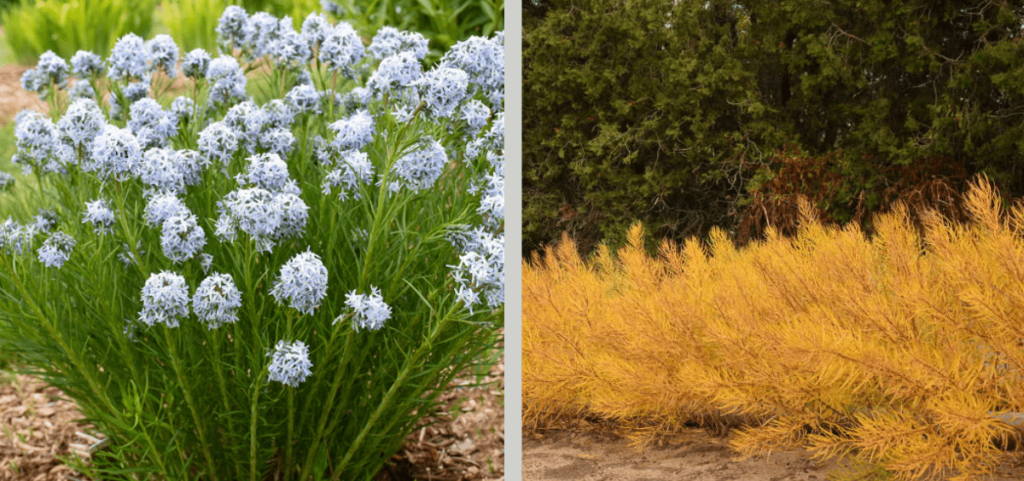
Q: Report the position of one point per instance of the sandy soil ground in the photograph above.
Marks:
(696, 456)
(691, 455)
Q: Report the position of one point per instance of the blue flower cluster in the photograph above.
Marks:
(217, 300)
(15, 237)
(56, 249)
(289, 363)
(369, 311)
(100, 215)
(181, 237)
(419, 169)
(302, 282)
(165, 299)
(384, 145)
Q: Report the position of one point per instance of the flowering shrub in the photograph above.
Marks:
(277, 285)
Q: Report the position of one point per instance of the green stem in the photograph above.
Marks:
(291, 411)
(328, 407)
(224, 397)
(252, 426)
(200, 425)
(412, 364)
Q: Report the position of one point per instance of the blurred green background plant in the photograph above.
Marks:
(66, 26)
(443, 22)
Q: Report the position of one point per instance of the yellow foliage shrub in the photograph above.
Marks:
(905, 350)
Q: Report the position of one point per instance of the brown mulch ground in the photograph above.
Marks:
(37, 427)
(13, 98)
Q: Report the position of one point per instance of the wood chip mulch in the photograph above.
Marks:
(36, 427)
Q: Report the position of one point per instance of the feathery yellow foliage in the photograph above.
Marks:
(905, 350)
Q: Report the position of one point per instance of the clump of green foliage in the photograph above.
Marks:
(443, 22)
(687, 114)
(192, 23)
(64, 27)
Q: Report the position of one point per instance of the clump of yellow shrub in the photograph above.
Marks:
(905, 349)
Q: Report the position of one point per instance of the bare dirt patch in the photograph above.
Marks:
(594, 455)
(13, 98)
(691, 455)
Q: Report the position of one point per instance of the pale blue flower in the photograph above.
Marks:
(32, 81)
(484, 61)
(354, 132)
(390, 41)
(196, 63)
(163, 55)
(369, 311)
(443, 89)
(6, 181)
(331, 8)
(151, 124)
(183, 108)
(481, 268)
(218, 142)
(206, 261)
(289, 364)
(351, 170)
(302, 282)
(52, 69)
(395, 72)
(356, 99)
(56, 249)
(421, 168)
(232, 28)
(129, 59)
(217, 300)
(291, 48)
(305, 99)
(475, 115)
(278, 114)
(492, 201)
(181, 237)
(266, 171)
(278, 141)
(87, 64)
(15, 237)
(163, 206)
(130, 94)
(81, 90)
(36, 138)
(294, 215)
(265, 216)
(165, 299)
(315, 28)
(160, 169)
(99, 213)
(263, 30)
(46, 220)
(246, 120)
(342, 49)
(227, 81)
